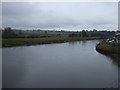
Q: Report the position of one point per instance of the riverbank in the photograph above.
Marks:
(108, 48)
(36, 41)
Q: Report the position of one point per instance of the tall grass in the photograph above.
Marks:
(33, 41)
(108, 48)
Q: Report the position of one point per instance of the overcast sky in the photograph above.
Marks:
(57, 16)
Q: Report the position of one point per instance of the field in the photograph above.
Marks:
(10, 42)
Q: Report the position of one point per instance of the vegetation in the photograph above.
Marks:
(11, 37)
(9, 42)
(108, 48)
(8, 33)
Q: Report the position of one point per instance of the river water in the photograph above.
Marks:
(63, 65)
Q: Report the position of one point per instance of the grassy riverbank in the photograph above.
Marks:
(105, 47)
(110, 50)
(34, 41)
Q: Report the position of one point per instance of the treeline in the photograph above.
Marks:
(86, 33)
(79, 34)
(8, 33)
(11, 33)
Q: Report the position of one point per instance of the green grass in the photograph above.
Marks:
(108, 48)
(34, 41)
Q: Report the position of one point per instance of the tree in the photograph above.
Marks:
(20, 32)
(8, 33)
(83, 33)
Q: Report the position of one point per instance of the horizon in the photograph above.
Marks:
(60, 30)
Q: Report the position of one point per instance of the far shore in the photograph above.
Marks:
(12, 42)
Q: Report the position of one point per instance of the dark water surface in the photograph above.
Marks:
(64, 65)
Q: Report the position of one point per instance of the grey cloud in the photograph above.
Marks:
(60, 15)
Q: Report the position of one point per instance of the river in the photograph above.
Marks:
(63, 65)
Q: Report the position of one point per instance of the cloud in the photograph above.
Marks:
(0, 14)
(69, 15)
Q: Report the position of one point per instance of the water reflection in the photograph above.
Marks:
(14, 67)
(83, 42)
(65, 65)
(72, 43)
(115, 59)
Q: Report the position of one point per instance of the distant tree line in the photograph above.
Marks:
(10, 33)
(86, 33)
